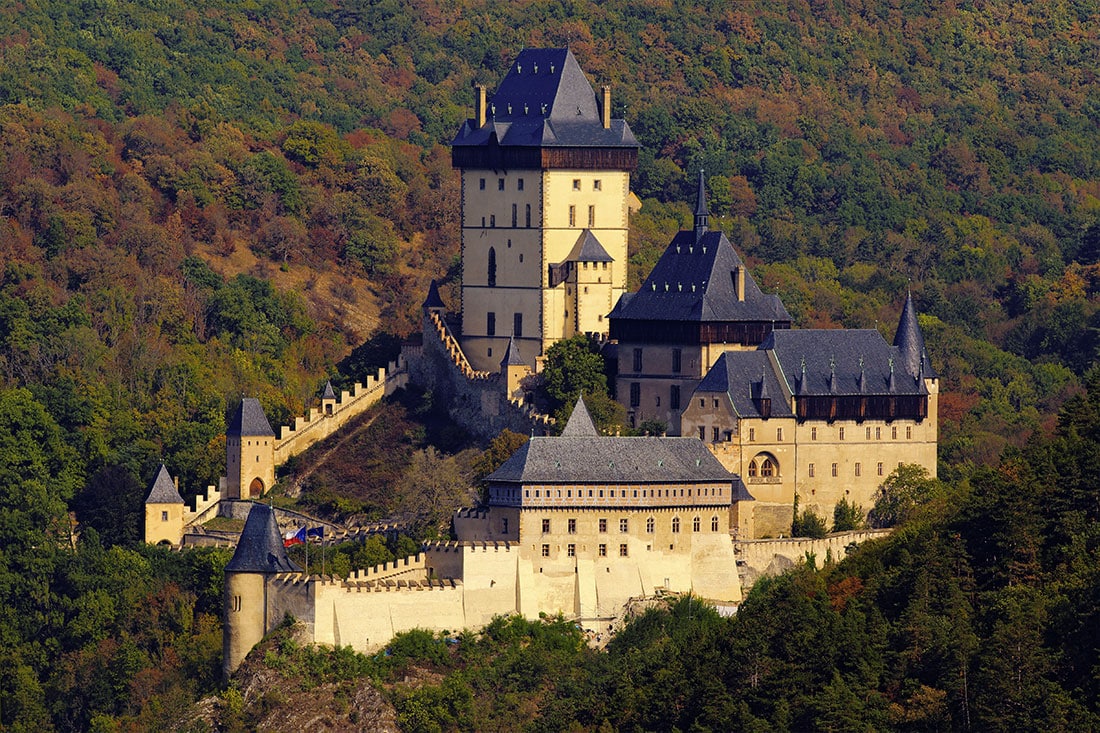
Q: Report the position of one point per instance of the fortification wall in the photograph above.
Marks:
(757, 558)
(476, 400)
(320, 423)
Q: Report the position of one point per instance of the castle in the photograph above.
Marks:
(756, 412)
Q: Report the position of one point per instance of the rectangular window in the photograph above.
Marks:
(500, 184)
(779, 434)
(519, 184)
(517, 325)
(635, 394)
(810, 470)
(504, 525)
(859, 469)
(842, 433)
(597, 185)
(868, 433)
(603, 550)
(545, 526)
(546, 550)
(528, 224)
(677, 361)
(752, 435)
(624, 525)
(714, 435)
(894, 433)
(164, 516)
(591, 216)
(674, 397)
(572, 526)
(878, 433)
(834, 470)
(515, 215)
(813, 433)
(490, 324)
(908, 432)
(576, 184)
(702, 433)
(572, 216)
(603, 525)
(571, 550)
(481, 184)
(622, 550)
(637, 360)
(879, 469)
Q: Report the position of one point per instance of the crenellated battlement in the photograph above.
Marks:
(204, 505)
(472, 545)
(450, 345)
(321, 422)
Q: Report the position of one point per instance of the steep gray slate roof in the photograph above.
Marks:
(260, 549)
(545, 100)
(910, 341)
(588, 249)
(612, 460)
(580, 422)
(433, 300)
(163, 490)
(741, 375)
(833, 362)
(694, 281)
(249, 420)
(511, 354)
(329, 393)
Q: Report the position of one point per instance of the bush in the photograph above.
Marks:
(847, 516)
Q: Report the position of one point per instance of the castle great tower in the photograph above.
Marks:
(545, 189)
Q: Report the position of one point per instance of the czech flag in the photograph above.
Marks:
(294, 537)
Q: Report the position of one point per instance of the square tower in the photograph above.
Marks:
(545, 178)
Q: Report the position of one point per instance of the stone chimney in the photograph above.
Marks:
(605, 107)
(479, 106)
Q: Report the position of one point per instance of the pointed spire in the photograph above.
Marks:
(891, 384)
(862, 382)
(910, 341)
(329, 393)
(580, 422)
(702, 216)
(832, 376)
(802, 378)
(163, 490)
(764, 394)
(433, 301)
(511, 355)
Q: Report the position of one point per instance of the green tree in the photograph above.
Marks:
(847, 516)
(903, 492)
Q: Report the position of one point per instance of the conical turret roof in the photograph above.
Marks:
(329, 393)
(910, 342)
(511, 354)
(163, 490)
(260, 549)
(433, 301)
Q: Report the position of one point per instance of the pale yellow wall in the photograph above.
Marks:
(245, 617)
(524, 254)
(161, 528)
(589, 293)
(248, 458)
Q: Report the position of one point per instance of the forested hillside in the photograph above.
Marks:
(200, 201)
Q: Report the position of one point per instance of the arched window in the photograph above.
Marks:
(675, 525)
(714, 524)
(492, 267)
(767, 468)
(649, 525)
(695, 524)
(752, 469)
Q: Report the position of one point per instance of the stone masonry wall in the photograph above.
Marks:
(757, 558)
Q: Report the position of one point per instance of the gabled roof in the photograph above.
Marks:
(588, 249)
(260, 549)
(163, 490)
(580, 422)
(249, 419)
(747, 376)
(545, 100)
(511, 354)
(695, 281)
(840, 362)
(605, 459)
(910, 341)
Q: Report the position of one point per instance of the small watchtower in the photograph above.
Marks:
(328, 400)
(164, 509)
(514, 369)
(249, 452)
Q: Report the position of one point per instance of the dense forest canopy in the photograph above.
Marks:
(205, 201)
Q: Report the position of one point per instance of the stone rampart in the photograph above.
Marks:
(322, 422)
(758, 558)
(476, 400)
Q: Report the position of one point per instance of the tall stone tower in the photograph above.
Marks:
(249, 452)
(248, 610)
(545, 188)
